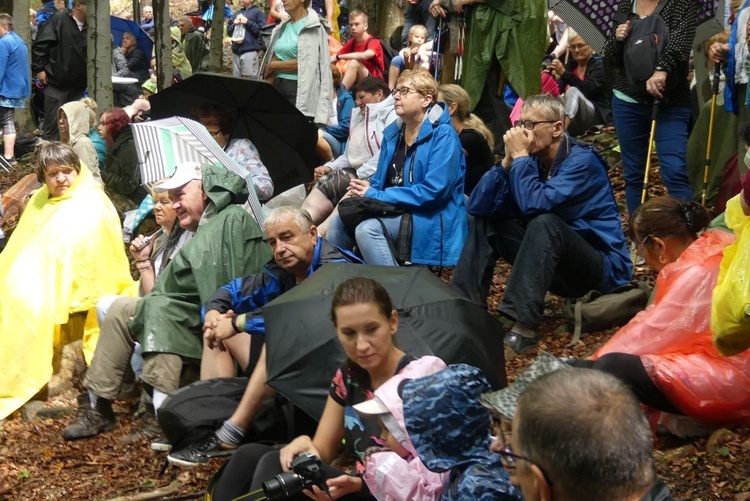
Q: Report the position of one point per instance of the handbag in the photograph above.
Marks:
(355, 210)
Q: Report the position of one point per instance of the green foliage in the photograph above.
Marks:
(24, 474)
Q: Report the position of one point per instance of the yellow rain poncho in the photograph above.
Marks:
(65, 254)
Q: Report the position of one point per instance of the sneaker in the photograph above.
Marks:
(161, 445)
(515, 344)
(91, 422)
(201, 452)
(10, 161)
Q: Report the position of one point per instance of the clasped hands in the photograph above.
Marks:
(518, 141)
(218, 327)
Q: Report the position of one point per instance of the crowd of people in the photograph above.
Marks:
(411, 172)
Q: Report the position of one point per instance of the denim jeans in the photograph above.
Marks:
(545, 254)
(633, 125)
(415, 14)
(334, 143)
(370, 238)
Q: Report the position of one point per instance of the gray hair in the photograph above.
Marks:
(7, 21)
(300, 216)
(551, 107)
(588, 433)
(56, 152)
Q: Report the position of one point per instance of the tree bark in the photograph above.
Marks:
(99, 49)
(21, 26)
(163, 45)
(216, 56)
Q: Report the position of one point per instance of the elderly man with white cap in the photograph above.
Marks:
(227, 243)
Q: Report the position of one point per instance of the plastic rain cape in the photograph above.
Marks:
(65, 254)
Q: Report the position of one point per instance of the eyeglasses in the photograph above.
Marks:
(530, 124)
(509, 459)
(403, 91)
(215, 133)
(578, 47)
(645, 240)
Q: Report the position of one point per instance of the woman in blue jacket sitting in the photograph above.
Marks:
(420, 171)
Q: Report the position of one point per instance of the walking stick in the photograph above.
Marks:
(714, 93)
(439, 36)
(654, 114)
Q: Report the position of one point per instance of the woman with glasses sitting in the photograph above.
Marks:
(665, 354)
(581, 79)
(421, 172)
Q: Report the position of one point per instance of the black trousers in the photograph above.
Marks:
(629, 369)
(545, 254)
(54, 97)
(254, 464)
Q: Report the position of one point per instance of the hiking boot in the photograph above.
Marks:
(84, 403)
(92, 421)
(515, 344)
(201, 452)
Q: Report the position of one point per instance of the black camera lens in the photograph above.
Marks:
(283, 486)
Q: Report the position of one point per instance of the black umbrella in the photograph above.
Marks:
(285, 138)
(303, 351)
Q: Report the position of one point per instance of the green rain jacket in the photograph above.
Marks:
(513, 31)
(227, 245)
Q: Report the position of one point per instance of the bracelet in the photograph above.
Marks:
(234, 325)
(338, 58)
(143, 261)
(143, 268)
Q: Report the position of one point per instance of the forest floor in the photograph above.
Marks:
(37, 464)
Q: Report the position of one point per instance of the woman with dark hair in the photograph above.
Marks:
(216, 121)
(121, 175)
(632, 107)
(297, 61)
(666, 353)
(64, 255)
(366, 324)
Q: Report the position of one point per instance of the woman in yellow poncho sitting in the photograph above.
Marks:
(64, 255)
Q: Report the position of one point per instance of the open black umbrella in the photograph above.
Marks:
(303, 351)
(285, 138)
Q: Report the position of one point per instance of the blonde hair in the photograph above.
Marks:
(422, 82)
(455, 94)
(92, 107)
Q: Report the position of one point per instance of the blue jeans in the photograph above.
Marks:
(370, 238)
(633, 125)
(416, 14)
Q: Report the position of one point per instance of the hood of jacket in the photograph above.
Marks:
(223, 187)
(445, 419)
(435, 116)
(450, 431)
(388, 394)
(78, 119)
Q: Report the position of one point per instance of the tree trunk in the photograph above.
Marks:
(99, 49)
(22, 28)
(383, 16)
(216, 58)
(137, 11)
(163, 45)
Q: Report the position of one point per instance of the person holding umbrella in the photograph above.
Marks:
(366, 323)
(668, 84)
(297, 62)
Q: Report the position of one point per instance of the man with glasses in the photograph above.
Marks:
(549, 211)
(547, 457)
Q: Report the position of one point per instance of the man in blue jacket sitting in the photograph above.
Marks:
(549, 211)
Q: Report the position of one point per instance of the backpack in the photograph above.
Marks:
(193, 412)
(646, 42)
(388, 54)
(595, 311)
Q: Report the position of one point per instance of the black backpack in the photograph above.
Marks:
(647, 39)
(388, 54)
(193, 412)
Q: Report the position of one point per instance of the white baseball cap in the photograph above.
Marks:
(182, 175)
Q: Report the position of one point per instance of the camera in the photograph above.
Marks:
(306, 471)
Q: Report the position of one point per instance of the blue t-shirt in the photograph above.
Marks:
(286, 45)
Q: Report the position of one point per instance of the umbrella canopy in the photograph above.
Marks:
(593, 19)
(285, 138)
(120, 26)
(303, 351)
(163, 144)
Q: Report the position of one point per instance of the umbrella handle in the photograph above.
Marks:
(654, 115)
